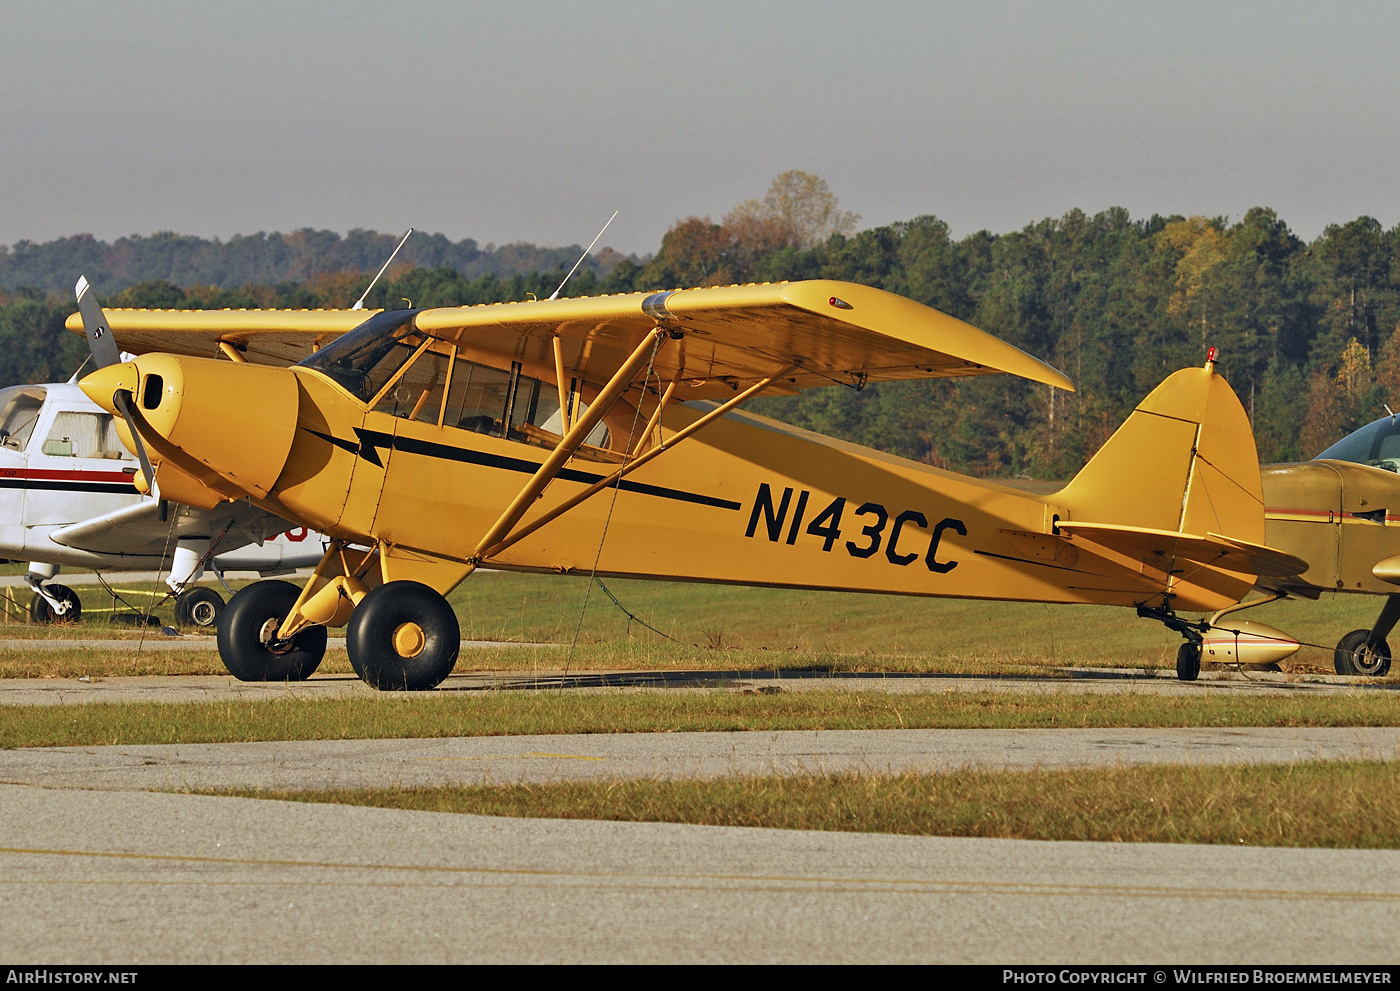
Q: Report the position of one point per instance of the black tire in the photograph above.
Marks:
(385, 617)
(41, 612)
(247, 625)
(199, 607)
(1357, 654)
(1188, 662)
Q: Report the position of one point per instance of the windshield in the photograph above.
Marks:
(19, 410)
(1377, 444)
(364, 359)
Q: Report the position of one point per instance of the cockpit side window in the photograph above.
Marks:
(1389, 447)
(417, 394)
(19, 411)
(481, 397)
(436, 387)
(477, 398)
(84, 435)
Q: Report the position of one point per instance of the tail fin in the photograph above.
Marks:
(1175, 495)
(1184, 462)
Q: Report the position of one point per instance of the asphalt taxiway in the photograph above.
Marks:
(97, 865)
(139, 877)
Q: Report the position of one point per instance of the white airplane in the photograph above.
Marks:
(69, 497)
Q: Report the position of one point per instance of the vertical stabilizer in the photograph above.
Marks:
(1184, 461)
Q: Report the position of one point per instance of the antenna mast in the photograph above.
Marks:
(555, 294)
(360, 303)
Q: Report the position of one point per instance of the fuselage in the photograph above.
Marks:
(1342, 518)
(745, 501)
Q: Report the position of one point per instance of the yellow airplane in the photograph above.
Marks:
(1339, 513)
(603, 435)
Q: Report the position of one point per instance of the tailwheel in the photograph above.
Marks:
(1188, 661)
(198, 607)
(41, 612)
(1358, 653)
(248, 640)
(403, 636)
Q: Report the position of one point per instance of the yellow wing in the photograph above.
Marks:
(727, 337)
(263, 337)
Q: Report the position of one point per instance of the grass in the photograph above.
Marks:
(867, 632)
(1317, 804)
(498, 713)
(724, 627)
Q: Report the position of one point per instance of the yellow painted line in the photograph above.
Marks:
(516, 757)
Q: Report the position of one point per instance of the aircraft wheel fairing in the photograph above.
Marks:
(198, 607)
(248, 626)
(1188, 662)
(403, 636)
(1358, 654)
(41, 612)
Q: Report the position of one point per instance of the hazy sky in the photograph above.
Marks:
(526, 121)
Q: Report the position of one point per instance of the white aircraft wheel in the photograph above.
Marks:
(1356, 655)
(1188, 662)
(247, 636)
(198, 607)
(41, 612)
(403, 636)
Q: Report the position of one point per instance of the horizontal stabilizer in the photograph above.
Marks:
(1214, 550)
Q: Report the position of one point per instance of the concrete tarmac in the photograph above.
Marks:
(141, 878)
(299, 765)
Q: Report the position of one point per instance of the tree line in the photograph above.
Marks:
(188, 261)
(1305, 331)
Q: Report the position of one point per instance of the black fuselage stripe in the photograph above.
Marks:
(446, 452)
(126, 488)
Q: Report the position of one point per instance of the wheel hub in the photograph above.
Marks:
(409, 640)
(1368, 658)
(203, 614)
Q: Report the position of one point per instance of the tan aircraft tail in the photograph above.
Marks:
(1177, 488)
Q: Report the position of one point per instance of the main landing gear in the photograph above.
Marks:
(401, 636)
(248, 641)
(55, 604)
(1366, 652)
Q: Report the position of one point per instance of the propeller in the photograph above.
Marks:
(105, 352)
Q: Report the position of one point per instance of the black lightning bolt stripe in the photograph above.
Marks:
(371, 440)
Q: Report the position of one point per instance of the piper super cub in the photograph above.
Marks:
(603, 435)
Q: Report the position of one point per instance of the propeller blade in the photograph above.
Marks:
(121, 399)
(99, 335)
(105, 352)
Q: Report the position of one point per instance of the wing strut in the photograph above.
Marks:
(504, 541)
(581, 428)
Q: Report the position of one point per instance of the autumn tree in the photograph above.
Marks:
(800, 211)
